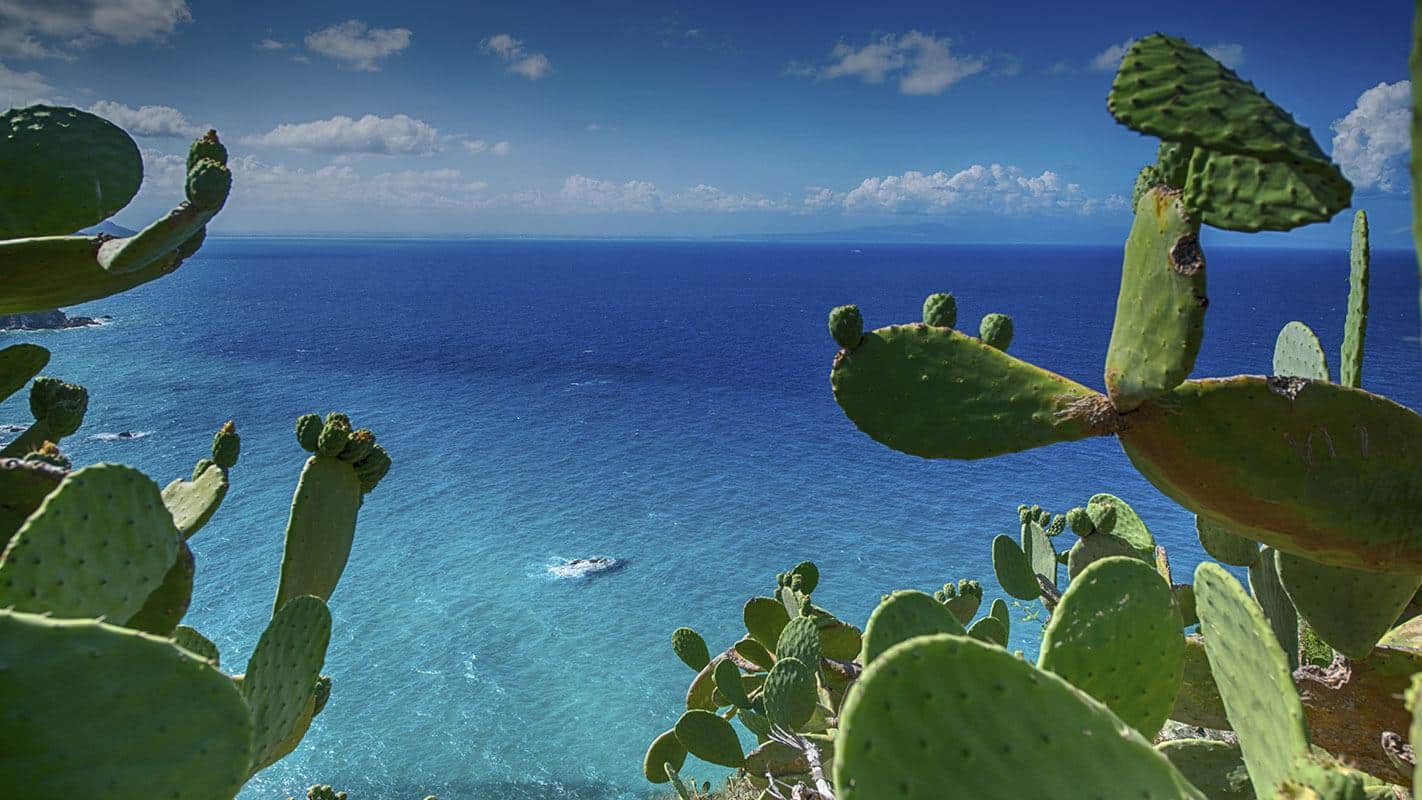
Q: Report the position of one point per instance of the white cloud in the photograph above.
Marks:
(1230, 54)
(1372, 141)
(270, 44)
(703, 197)
(21, 88)
(519, 60)
(395, 135)
(977, 189)
(357, 45)
(581, 194)
(31, 28)
(920, 62)
(146, 120)
(501, 148)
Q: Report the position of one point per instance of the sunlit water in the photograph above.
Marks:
(664, 404)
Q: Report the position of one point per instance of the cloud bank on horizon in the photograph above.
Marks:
(669, 123)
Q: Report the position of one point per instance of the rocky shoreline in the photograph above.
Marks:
(47, 320)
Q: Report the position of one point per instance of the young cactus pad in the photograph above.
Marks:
(1320, 470)
(946, 715)
(937, 393)
(902, 616)
(1355, 326)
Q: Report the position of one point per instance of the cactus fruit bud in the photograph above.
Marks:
(206, 146)
(940, 310)
(996, 330)
(59, 405)
(1024, 514)
(226, 445)
(323, 694)
(48, 453)
(308, 431)
(846, 325)
(358, 446)
(1080, 522)
(208, 185)
(1057, 525)
(334, 434)
(372, 468)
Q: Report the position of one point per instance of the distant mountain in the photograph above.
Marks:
(108, 228)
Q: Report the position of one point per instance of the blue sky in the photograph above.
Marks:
(969, 121)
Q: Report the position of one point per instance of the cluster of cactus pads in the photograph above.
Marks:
(1300, 477)
(103, 691)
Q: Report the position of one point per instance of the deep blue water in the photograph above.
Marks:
(664, 403)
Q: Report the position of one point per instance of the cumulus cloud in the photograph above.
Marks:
(21, 88)
(270, 44)
(51, 29)
(501, 148)
(582, 194)
(146, 120)
(395, 135)
(979, 188)
(518, 59)
(1371, 143)
(1228, 53)
(357, 45)
(921, 63)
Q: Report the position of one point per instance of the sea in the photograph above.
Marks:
(665, 404)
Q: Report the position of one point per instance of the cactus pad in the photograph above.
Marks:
(1298, 354)
(1225, 546)
(1115, 635)
(282, 673)
(23, 486)
(1355, 327)
(1121, 520)
(846, 326)
(727, 677)
(690, 648)
(665, 749)
(936, 393)
(194, 642)
(1350, 610)
(989, 629)
(165, 607)
(1160, 310)
(193, 502)
(1320, 470)
(1041, 555)
(710, 738)
(1253, 677)
(1241, 193)
(1093, 548)
(790, 693)
(962, 599)
(97, 547)
(64, 169)
(995, 330)
(1269, 594)
(1216, 768)
(902, 616)
(947, 711)
(19, 363)
(320, 530)
(800, 639)
(1013, 569)
(940, 310)
(157, 700)
(702, 691)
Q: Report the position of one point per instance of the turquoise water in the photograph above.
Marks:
(662, 403)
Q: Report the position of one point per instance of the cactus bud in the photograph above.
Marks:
(846, 325)
(358, 446)
(323, 693)
(1103, 516)
(372, 468)
(208, 185)
(59, 405)
(206, 146)
(308, 431)
(1023, 514)
(226, 445)
(940, 310)
(1080, 522)
(996, 330)
(334, 435)
(1057, 525)
(48, 453)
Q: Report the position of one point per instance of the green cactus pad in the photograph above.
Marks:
(948, 711)
(1350, 610)
(1172, 162)
(936, 393)
(191, 640)
(1274, 602)
(989, 629)
(1013, 569)
(963, 599)
(320, 529)
(940, 310)
(1225, 546)
(156, 700)
(1253, 676)
(902, 616)
(1321, 778)
(23, 486)
(1124, 522)
(690, 648)
(1090, 549)
(1199, 700)
(1298, 354)
(97, 547)
(282, 674)
(755, 653)
(193, 502)
(727, 677)
(778, 759)
(840, 640)
(805, 577)
(1216, 768)
(800, 639)
(1185, 601)
(702, 691)
(19, 363)
(1242, 193)
(58, 409)
(1041, 555)
(308, 431)
(226, 446)
(1160, 309)
(996, 331)
(710, 738)
(1171, 90)
(1355, 327)
(64, 169)
(1146, 179)
(165, 607)
(998, 610)
(1320, 470)
(665, 749)
(1115, 635)
(790, 694)
(846, 326)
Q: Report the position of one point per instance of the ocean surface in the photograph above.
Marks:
(667, 404)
